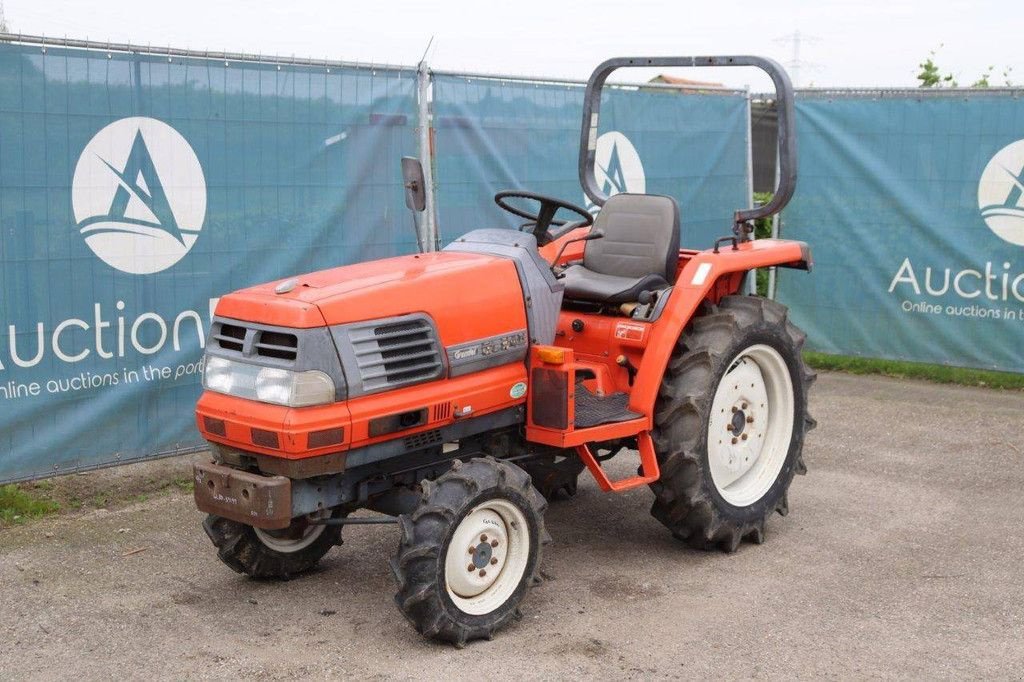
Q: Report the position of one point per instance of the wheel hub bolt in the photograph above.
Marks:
(482, 573)
(472, 550)
(734, 440)
(471, 568)
(494, 543)
(494, 561)
(744, 436)
(483, 538)
(750, 420)
(743, 406)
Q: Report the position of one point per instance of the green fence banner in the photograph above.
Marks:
(495, 134)
(134, 190)
(914, 204)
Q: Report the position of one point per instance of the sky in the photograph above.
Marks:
(845, 43)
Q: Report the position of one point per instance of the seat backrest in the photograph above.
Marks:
(641, 237)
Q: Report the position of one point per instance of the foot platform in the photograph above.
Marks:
(593, 410)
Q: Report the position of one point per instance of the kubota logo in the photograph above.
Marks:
(617, 166)
(1001, 193)
(139, 195)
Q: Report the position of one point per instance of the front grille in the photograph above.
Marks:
(266, 439)
(422, 440)
(277, 345)
(321, 439)
(230, 337)
(215, 426)
(396, 354)
(265, 342)
(442, 411)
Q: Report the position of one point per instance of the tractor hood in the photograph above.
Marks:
(468, 295)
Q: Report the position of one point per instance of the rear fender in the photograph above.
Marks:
(702, 278)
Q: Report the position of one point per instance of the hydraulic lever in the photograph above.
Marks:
(590, 236)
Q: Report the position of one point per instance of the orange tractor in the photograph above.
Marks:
(454, 392)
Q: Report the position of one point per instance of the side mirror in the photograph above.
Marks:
(412, 179)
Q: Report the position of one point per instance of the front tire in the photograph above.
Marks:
(470, 551)
(272, 554)
(730, 422)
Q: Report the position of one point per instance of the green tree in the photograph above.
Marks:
(983, 81)
(931, 75)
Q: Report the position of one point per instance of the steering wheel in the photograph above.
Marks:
(544, 218)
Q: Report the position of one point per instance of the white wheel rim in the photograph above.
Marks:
(487, 557)
(751, 425)
(279, 542)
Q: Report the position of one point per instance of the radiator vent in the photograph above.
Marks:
(230, 337)
(442, 411)
(396, 354)
(422, 440)
(277, 345)
(265, 342)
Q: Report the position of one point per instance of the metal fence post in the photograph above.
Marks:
(751, 281)
(425, 152)
(776, 224)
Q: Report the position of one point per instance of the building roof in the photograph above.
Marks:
(676, 80)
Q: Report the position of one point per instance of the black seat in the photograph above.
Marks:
(639, 251)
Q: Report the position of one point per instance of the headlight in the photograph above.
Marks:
(218, 375)
(267, 384)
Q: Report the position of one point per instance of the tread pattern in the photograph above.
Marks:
(418, 564)
(241, 550)
(683, 501)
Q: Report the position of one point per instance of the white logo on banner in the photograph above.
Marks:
(1001, 193)
(617, 166)
(139, 195)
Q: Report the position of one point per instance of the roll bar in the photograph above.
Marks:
(786, 136)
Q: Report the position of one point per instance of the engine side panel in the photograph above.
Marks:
(542, 291)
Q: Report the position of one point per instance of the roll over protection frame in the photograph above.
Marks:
(786, 135)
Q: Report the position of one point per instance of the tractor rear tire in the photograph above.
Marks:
(735, 390)
(480, 517)
(271, 554)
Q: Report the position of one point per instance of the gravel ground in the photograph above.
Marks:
(901, 557)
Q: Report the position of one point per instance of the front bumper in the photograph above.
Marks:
(276, 430)
(260, 501)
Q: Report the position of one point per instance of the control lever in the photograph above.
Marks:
(623, 361)
(590, 236)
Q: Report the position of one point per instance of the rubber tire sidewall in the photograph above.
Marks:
(248, 554)
(504, 612)
(767, 335)
(426, 535)
(686, 500)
